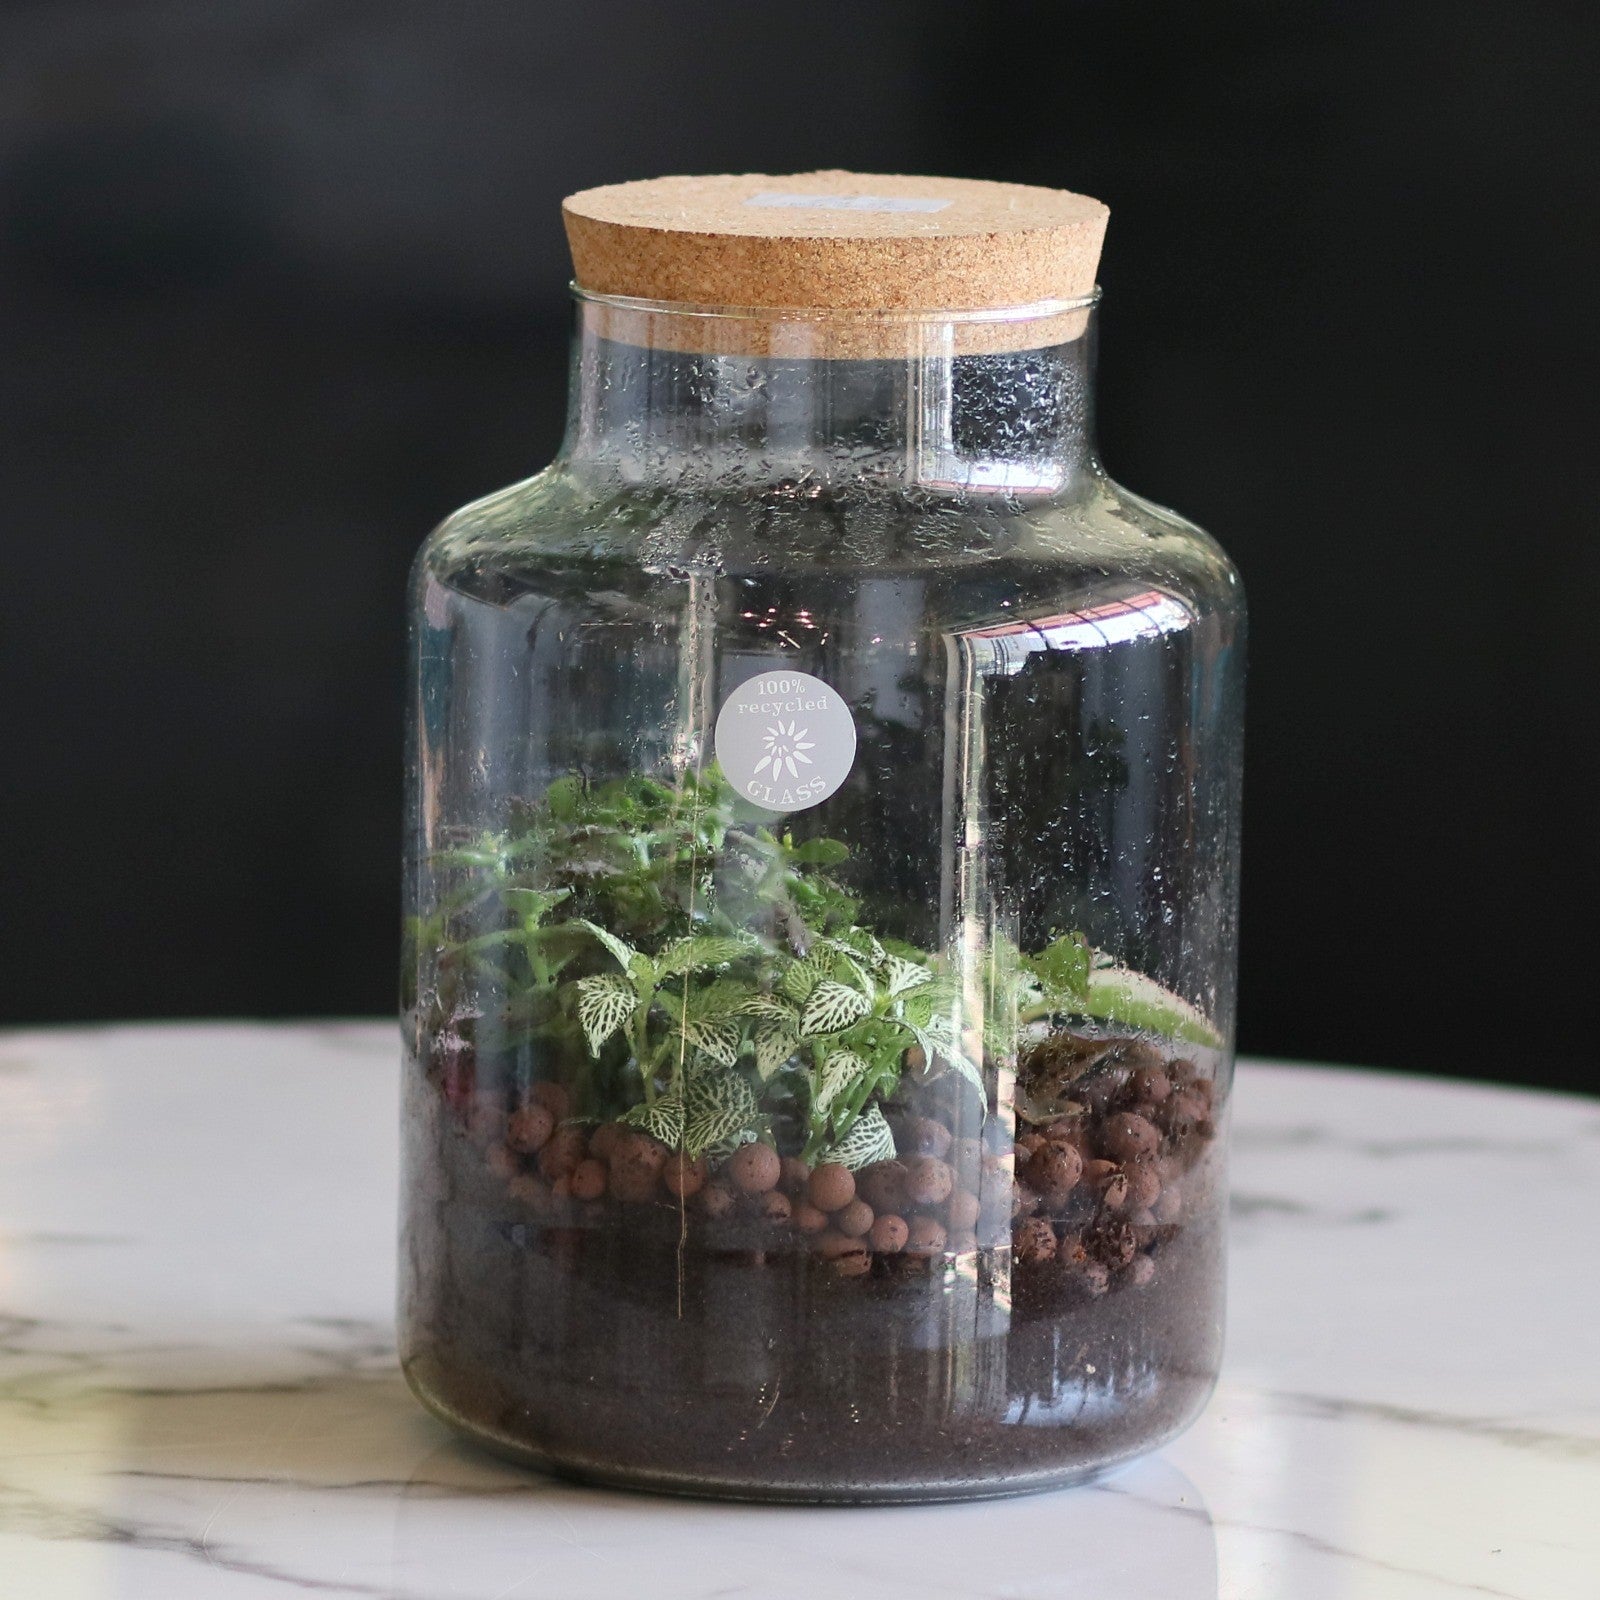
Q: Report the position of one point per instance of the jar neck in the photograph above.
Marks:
(699, 399)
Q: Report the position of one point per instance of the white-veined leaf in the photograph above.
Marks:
(903, 976)
(726, 997)
(769, 1005)
(717, 1037)
(621, 951)
(868, 1140)
(663, 1120)
(938, 1047)
(775, 1039)
(719, 1107)
(831, 1007)
(801, 977)
(841, 1072)
(605, 1004)
(702, 951)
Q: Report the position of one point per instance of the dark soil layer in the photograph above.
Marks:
(660, 1345)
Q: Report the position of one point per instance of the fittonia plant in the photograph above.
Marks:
(698, 975)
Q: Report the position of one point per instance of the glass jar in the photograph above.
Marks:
(823, 815)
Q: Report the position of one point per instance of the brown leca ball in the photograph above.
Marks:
(1112, 1189)
(682, 1177)
(883, 1185)
(528, 1189)
(1149, 1086)
(962, 1211)
(1094, 1277)
(635, 1149)
(1024, 1202)
(1071, 1131)
(1054, 1171)
(927, 1137)
(1034, 1240)
(793, 1176)
(1144, 1187)
(854, 1219)
(717, 1200)
(832, 1186)
(924, 1236)
(529, 1129)
(501, 1161)
(553, 1098)
(604, 1139)
(967, 1157)
(1127, 1136)
(776, 1207)
(1169, 1205)
(1140, 1271)
(562, 1152)
(1027, 1143)
(1185, 1110)
(588, 1179)
(889, 1235)
(1114, 1243)
(808, 1219)
(928, 1181)
(754, 1168)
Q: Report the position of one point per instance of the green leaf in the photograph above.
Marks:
(533, 905)
(816, 852)
(1121, 995)
(831, 1007)
(564, 798)
(702, 951)
(868, 1140)
(605, 1004)
(1062, 967)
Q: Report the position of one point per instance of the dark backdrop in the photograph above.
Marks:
(283, 283)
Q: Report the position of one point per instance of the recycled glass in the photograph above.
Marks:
(823, 835)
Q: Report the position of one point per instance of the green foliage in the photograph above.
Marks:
(686, 968)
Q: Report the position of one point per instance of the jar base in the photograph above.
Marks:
(593, 1473)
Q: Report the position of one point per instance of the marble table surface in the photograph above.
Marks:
(198, 1392)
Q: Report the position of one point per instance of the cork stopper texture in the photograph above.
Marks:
(874, 249)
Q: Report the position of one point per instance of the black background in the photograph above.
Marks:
(281, 284)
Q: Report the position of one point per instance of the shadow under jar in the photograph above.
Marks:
(823, 819)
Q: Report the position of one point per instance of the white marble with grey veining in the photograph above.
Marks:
(198, 1394)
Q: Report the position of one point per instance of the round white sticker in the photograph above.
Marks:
(785, 740)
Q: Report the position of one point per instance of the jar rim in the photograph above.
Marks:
(1033, 311)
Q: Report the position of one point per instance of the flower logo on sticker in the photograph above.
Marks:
(784, 747)
(785, 740)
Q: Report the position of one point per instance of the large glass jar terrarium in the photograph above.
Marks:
(823, 817)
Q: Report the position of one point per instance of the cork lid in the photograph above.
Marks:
(865, 250)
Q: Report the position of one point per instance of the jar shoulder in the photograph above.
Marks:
(1096, 529)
